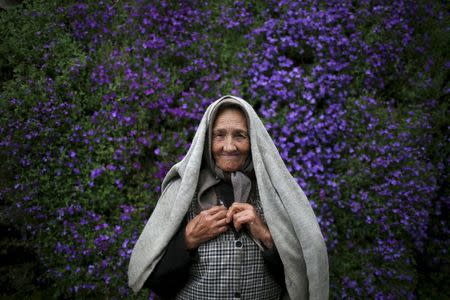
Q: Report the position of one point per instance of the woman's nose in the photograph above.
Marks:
(229, 145)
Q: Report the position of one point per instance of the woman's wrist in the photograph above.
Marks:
(267, 239)
(190, 242)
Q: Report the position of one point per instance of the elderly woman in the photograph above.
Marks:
(231, 223)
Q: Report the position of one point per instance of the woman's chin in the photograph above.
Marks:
(232, 167)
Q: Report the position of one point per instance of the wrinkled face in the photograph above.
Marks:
(230, 140)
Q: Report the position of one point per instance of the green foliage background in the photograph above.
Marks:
(92, 118)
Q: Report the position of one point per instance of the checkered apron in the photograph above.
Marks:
(229, 267)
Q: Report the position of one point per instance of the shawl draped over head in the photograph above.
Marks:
(287, 211)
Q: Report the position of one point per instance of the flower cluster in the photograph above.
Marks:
(91, 255)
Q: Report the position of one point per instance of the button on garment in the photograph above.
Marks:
(229, 268)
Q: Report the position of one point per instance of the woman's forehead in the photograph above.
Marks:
(230, 118)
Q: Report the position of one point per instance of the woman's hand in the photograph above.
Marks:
(245, 214)
(206, 225)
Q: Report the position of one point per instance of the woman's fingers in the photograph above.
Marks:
(245, 217)
(215, 209)
(243, 209)
(220, 215)
(205, 226)
(221, 222)
(213, 217)
(238, 207)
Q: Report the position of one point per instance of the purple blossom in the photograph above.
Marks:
(97, 172)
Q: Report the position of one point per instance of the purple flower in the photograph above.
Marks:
(118, 183)
(97, 172)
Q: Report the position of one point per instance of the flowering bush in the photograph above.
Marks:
(99, 99)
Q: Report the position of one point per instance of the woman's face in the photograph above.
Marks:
(230, 140)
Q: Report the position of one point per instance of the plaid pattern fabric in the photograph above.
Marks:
(229, 268)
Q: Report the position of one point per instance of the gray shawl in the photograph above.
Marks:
(289, 215)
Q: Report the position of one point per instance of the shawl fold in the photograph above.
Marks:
(288, 213)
